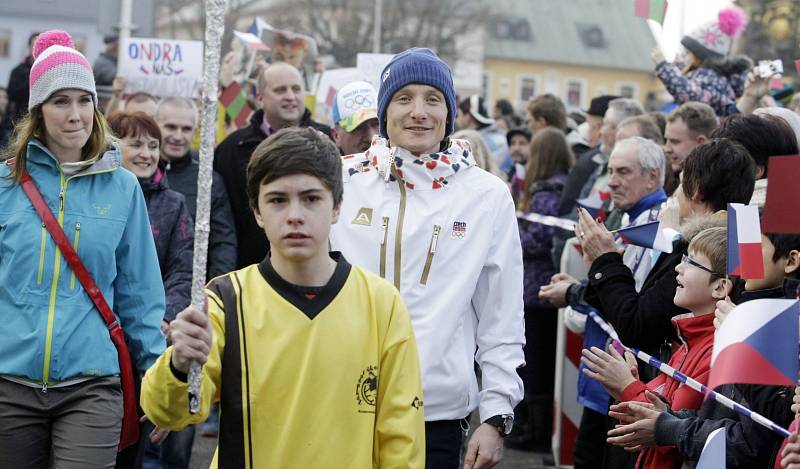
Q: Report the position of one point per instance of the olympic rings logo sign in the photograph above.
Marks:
(359, 101)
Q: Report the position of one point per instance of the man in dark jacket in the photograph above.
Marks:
(18, 84)
(281, 93)
(177, 119)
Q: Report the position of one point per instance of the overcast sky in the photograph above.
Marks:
(693, 12)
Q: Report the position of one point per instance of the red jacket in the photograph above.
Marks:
(692, 358)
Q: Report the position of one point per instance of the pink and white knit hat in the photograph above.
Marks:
(58, 66)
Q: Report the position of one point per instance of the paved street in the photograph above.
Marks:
(204, 449)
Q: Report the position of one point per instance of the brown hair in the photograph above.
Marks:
(136, 124)
(712, 243)
(550, 154)
(32, 126)
(550, 108)
(295, 150)
(699, 118)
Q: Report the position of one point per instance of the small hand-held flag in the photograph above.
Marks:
(713, 455)
(649, 235)
(251, 40)
(758, 344)
(595, 204)
(654, 10)
(258, 27)
(780, 211)
(234, 99)
(744, 242)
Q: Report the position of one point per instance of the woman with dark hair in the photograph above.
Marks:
(64, 361)
(173, 232)
(173, 229)
(763, 135)
(545, 173)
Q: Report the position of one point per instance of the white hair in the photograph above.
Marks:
(651, 156)
(622, 108)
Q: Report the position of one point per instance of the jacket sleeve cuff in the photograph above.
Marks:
(575, 294)
(606, 267)
(179, 375)
(668, 429)
(633, 391)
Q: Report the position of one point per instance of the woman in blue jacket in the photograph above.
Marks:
(60, 394)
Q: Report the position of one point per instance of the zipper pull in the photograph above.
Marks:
(44, 388)
(436, 230)
(385, 227)
(61, 199)
(389, 163)
(78, 226)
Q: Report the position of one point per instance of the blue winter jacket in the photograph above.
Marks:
(49, 326)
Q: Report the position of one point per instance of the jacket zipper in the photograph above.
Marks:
(48, 342)
(431, 252)
(41, 255)
(401, 214)
(75, 247)
(384, 239)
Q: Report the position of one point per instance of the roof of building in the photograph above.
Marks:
(597, 33)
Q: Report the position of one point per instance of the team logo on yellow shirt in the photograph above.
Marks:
(367, 390)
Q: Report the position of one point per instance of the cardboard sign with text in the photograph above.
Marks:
(161, 67)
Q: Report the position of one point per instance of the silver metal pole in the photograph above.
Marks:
(215, 26)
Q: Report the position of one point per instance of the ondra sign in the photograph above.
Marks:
(162, 67)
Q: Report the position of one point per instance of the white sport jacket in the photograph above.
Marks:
(445, 232)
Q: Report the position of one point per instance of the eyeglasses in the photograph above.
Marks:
(688, 260)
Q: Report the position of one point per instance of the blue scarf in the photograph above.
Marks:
(645, 203)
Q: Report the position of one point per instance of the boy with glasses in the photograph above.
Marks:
(701, 284)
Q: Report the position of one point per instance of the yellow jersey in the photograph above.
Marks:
(322, 377)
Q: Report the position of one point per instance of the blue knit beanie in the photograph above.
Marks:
(417, 66)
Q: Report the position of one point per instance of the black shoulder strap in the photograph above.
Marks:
(232, 419)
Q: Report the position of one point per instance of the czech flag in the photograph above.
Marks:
(251, 41)
(744, 242)
(595, 204)
(649, 235)
(758, 344)
(258, 27)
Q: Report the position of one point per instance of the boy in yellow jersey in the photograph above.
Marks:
(313, 360)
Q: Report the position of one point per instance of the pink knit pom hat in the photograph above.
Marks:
(58, 66)
(714, 39)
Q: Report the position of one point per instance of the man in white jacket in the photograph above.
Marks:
(419, 212)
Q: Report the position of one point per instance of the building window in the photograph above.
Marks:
(591, 35)
(628, 90)
(511, 29)
(576, 91)
(528, 87)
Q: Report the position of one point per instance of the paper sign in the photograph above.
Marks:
(371, 66)
(329, 84)
(162, 67)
